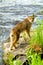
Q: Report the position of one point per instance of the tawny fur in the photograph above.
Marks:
(15, 32)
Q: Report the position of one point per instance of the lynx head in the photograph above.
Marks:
(31, 18)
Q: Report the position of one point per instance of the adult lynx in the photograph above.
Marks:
(21, 26)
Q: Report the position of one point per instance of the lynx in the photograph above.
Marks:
(18, 28)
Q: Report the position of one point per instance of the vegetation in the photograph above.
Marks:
(10, 60)
(33, 58)
(17, 62)
(37, 36)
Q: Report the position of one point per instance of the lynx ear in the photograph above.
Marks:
(31, 18)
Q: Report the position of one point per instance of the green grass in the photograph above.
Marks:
(33, 58)
(37, 37)
(40, 35)
(17, 62)
(10, 60)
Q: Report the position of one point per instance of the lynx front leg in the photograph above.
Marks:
(28, 32)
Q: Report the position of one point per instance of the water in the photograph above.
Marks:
(10, 14)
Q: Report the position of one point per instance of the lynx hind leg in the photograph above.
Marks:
(13, 39)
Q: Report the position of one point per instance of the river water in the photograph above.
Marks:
(10, 15)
